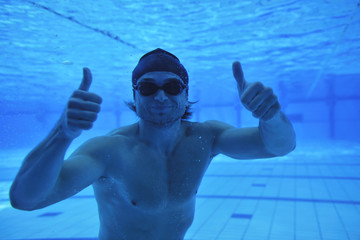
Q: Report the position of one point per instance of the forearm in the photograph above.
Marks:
(278, 134)
(40, 170)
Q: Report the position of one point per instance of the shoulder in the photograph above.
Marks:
(96, 146)
(212, 127)
(127, 131)
(216, 126)
(103, 151)
(116, 139)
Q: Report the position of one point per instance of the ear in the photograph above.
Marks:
(134, 94)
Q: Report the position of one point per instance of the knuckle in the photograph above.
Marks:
(255, 114)
(258, 85)
(268, 90)
(277, 106)
(88, 125)
(73, 102)
(243, 101)
(95, 107)
(69, 113)
(252, 106)
(274, 99)
(93, 117)
(76, 93)
(72, 111)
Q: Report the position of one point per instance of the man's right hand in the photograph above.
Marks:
(82, 108)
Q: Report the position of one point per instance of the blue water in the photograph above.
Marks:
(307, 51)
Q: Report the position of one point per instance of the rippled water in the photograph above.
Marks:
(307, 50)
(44, 45)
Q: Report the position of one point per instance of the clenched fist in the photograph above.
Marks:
(255, 97)
(82, 108)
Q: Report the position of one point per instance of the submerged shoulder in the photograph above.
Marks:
(126, 131)
(210, 126)
(98, 144)
(107, 143)
(215, 124)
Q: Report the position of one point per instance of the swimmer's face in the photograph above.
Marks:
(160, 106)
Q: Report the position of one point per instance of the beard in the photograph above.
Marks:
(160, 118)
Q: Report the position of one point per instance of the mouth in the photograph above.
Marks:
(161, 107)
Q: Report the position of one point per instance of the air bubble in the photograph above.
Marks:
(67, 63)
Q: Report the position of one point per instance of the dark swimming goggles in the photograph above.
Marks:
(149, 88)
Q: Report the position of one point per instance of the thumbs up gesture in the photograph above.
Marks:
(82, 108)
(258, 99)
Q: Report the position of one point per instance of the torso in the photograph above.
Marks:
(148, 195)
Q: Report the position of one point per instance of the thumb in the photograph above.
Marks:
(87, 79)
(239, 76)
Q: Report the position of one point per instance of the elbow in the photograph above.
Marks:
(286, 151)
(288, 146)
(283, 150)
(17, 203)
(20, 206)
(278, 142)
(292, 144)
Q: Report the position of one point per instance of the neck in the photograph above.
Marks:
(160, 137)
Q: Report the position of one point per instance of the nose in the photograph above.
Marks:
(160, 96)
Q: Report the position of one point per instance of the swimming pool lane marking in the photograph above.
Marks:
(72, 19)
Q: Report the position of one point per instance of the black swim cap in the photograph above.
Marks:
(159, 60)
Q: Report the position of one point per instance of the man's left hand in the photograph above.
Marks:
(255, 97)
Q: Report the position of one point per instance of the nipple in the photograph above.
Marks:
(133, 202)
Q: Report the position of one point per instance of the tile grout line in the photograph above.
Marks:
(336, 209)
(314, 206)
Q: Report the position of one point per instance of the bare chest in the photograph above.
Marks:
(150, 180)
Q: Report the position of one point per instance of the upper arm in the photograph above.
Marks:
(239, 143)
(79, 171)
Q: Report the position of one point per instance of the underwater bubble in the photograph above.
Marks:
(67, 63)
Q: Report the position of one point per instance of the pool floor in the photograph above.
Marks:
(312, 193)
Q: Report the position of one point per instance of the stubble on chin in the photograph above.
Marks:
(163, 120)
(160, 119)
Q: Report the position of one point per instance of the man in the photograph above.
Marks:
(146, 175)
